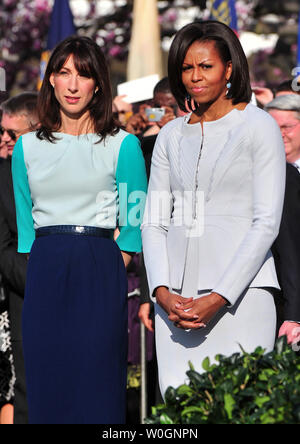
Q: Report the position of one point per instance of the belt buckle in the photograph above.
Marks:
(79, 229)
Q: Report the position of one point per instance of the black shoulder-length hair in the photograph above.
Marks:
(89, 61)
(230, 49)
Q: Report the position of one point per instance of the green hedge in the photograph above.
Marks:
(255, 388)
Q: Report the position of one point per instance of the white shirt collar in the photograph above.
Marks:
(297, 164)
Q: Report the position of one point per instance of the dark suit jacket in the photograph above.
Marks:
(286, 250)
(12, 264)
(147, 145)
(13, 270)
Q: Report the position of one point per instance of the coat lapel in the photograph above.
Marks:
(231, 150)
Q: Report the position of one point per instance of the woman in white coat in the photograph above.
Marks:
(213, 209)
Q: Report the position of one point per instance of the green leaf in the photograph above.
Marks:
(267, 417)
(281, 344)
(165, 419)
(261, 400)
(229, 404)
(191, 409)
(170, 395)
(191, 366)
(206, 364)
(195, 377)
(266, 374)
(184, 390)
(153, 410)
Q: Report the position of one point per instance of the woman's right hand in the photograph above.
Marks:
(174, 305)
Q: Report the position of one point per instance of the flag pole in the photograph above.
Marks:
(145, 56)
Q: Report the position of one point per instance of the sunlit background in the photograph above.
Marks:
(267, 30)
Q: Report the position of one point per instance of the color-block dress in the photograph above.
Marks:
(75, 307)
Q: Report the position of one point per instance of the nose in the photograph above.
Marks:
(73, 84)
(5, 136)
(196, 74)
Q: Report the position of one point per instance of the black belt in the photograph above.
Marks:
(75, 229)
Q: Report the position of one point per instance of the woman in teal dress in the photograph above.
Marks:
(77, 180)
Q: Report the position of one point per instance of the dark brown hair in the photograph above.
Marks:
(229, 48)
(89, 61)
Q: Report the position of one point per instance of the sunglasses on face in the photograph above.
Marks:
(10, 132)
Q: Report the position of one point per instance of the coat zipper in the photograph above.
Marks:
(196, 179)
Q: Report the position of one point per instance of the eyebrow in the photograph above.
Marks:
(203, 61)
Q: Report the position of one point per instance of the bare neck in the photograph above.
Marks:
(76, 125)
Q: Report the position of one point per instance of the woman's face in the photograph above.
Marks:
(204, 74)
(72, 90)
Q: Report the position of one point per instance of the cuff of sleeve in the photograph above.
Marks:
(229, 303)
(152, 291)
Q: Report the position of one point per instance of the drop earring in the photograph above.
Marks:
(228, 86)
(190, 104)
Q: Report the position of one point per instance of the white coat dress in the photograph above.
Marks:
(213, 211)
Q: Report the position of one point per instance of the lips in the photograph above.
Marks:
(72, 100)
(198, 89)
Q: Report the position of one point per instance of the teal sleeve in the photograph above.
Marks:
(131, 181)
(26, 233)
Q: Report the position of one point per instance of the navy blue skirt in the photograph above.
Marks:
(75, 331)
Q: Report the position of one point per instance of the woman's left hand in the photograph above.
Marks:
(205, 308)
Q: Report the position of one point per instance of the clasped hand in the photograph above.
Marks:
(189, 313)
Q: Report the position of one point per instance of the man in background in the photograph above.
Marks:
(19, 116)
(285, 109)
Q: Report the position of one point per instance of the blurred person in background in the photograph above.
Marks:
(139, 123)
(7, 373)
(285, 109)
(3, 150)
(286, 87)
(264, 95)
(122, 110)
(3, 147)
(19, 116)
